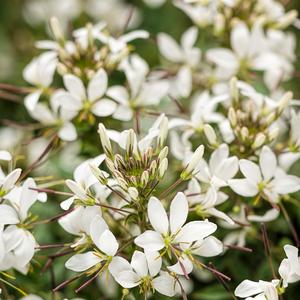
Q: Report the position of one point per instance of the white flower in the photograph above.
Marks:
(90, 99)
(289, 268)
(8, 182)
(171, 231)
(143, 271)
(78, 222)
(143, 92)
(266, 179)
(205, 202)
(83, 180)
(18, 243)
(107, 247)
(262, 290)
(185, 53)
(56, 116)
(39, 72)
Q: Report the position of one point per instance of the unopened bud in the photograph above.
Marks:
(196, 158)
(163, 153)
(133, 193)
(284, 102)
(210, 134)
(273, 133)
(57, 31)
(163, 166)
(105, 140)
(259, 140)
(163, 132)
(234, 90)
(99, 174)
(287, 19)
(232, 117)
(131, 142)
(244, 133)
(144, 178)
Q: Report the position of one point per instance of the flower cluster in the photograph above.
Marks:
(198, 151)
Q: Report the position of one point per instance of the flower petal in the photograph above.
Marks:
(243, 187)
(267, 162)
(179, 210)
(150, 240)
(82, 262)
(158, 216)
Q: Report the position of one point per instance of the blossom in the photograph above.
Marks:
(78, 98)
(56, 116)
(143, 92)
(39, 72)
(266, 179)
(7, 182)
(78, 222)
(171, 231)
(84, 180)
(143, 271)
(18, 243)
(289, 268)
(107, 247)
(262, 290)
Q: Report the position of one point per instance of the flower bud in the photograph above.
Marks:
(273, 133)
(99, 174)
(259, 140)
(163, 166)
(234, 90)
(131, 142)
(163, 132)
(210, 134)
(232, 117)
(133, 193)
(105, 140)
(286, 19)
(57, 31)
(284, 102)
(197, 156)
(244, 133)
(163, 153)
(144, 178)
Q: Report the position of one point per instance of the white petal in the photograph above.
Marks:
(97, 228)
(218, 156)
(247, 288)
(8, 215)
(82, 262)
(179, 210)
(169, 48)
(118, 265)
(243, 187)
(150, 240)
(76, 189)
(104, 108)
(158, 216)
(119, 94)
(194, 231)
(219, 214)
(250, 170)
(127, 279)
(209, 247)
(5, 155)
(287, 184)
(240, 38)
(67, 132)
(32, 99)
(97, 86)
(223, 58)
(11, 179)
(270, 215)
(108, 243)
(139, 263)
(123, 113)
(75, 86)
(183, 267)
(267, 162)
(154, 261)
(165, 284)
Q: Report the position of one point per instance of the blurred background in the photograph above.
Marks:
(22, 23)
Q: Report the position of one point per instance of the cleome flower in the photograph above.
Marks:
(100, 258)
(172, 231)
(266, 180)
(143, 271)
